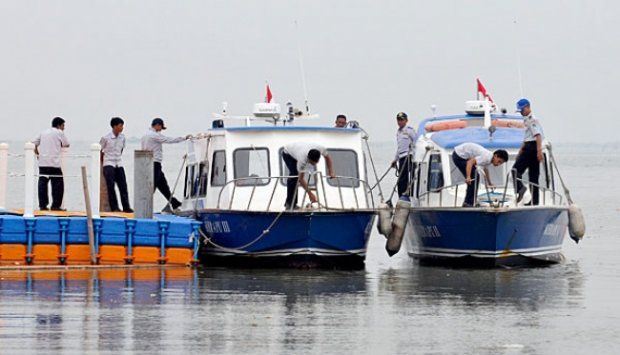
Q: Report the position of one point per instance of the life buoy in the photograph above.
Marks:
(442, 126)
(507, 123)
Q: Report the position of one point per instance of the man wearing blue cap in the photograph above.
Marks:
(530, 155)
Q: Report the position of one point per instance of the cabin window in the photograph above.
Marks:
(203, 177)
(435, 173)
(284, 171)
(189, 178)
(218, 170)
(346, 165)
(251, 163)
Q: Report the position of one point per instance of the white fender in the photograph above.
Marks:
(384, 223)
(399, 222)
(576, 223)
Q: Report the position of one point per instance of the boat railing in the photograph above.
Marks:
(262, 182)
(489, 190)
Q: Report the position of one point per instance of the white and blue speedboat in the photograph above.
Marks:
(498, 231)
(235, 185)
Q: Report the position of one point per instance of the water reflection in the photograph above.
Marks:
(526, 289)
(153, 310)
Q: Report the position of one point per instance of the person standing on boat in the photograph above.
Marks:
(112, 146)
(47, 147)
(341, 121)
(530, 155)
(405, 148)
(153, 141)
(467, 156)
(300, 158)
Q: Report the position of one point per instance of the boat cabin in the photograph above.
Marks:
(438, 182)
(241, 168)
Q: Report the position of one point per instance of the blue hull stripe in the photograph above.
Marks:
(289, 252)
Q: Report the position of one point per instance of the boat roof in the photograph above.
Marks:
(286, 128)
(503, 137)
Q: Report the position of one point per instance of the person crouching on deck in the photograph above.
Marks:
(466, 156)
(299, 159)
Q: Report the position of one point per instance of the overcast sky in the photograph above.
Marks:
(90, 60)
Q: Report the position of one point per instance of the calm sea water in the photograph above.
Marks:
(393, 306)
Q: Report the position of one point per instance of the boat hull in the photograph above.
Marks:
(481, 237)
(286, 239)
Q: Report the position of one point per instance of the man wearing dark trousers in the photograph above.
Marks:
(47, 147)
(301, 158)
(153, 141)
(530, 155)
(112, 146)
(405, 146)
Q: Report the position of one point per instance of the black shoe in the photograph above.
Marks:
(521, 193)
(114, 210)
(288, 207)
(465, 204)
(43, 209)
(128, 210)
(59, 209)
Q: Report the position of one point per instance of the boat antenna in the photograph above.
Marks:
(301, 66)
(516, 35)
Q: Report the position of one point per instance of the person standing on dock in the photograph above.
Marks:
(405, 148)
(47, 147)
(467, 156)
(301, 158)
(530, 155)
(153, 141)
(112, 146)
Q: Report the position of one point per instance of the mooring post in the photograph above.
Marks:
(4, 173)
(95, 175)
(29, 179)
(63, 167)
(143, 184)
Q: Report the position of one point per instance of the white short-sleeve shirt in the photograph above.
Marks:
(49, 144)
(299, 151)
(476, 151)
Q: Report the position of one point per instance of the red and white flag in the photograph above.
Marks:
(483, 91)
(269, 95)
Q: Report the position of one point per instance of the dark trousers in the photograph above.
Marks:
(461, 164)
(116, 175)
(162, 185)
(58, 187)
(528, 159)
(405, 169)
(291, 183)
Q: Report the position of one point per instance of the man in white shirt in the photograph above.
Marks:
(467, 156)
(153, 141)
(47, 148)
(112, 146)
(300, 158)
(405, 148)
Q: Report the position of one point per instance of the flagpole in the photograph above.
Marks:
(301, 65)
